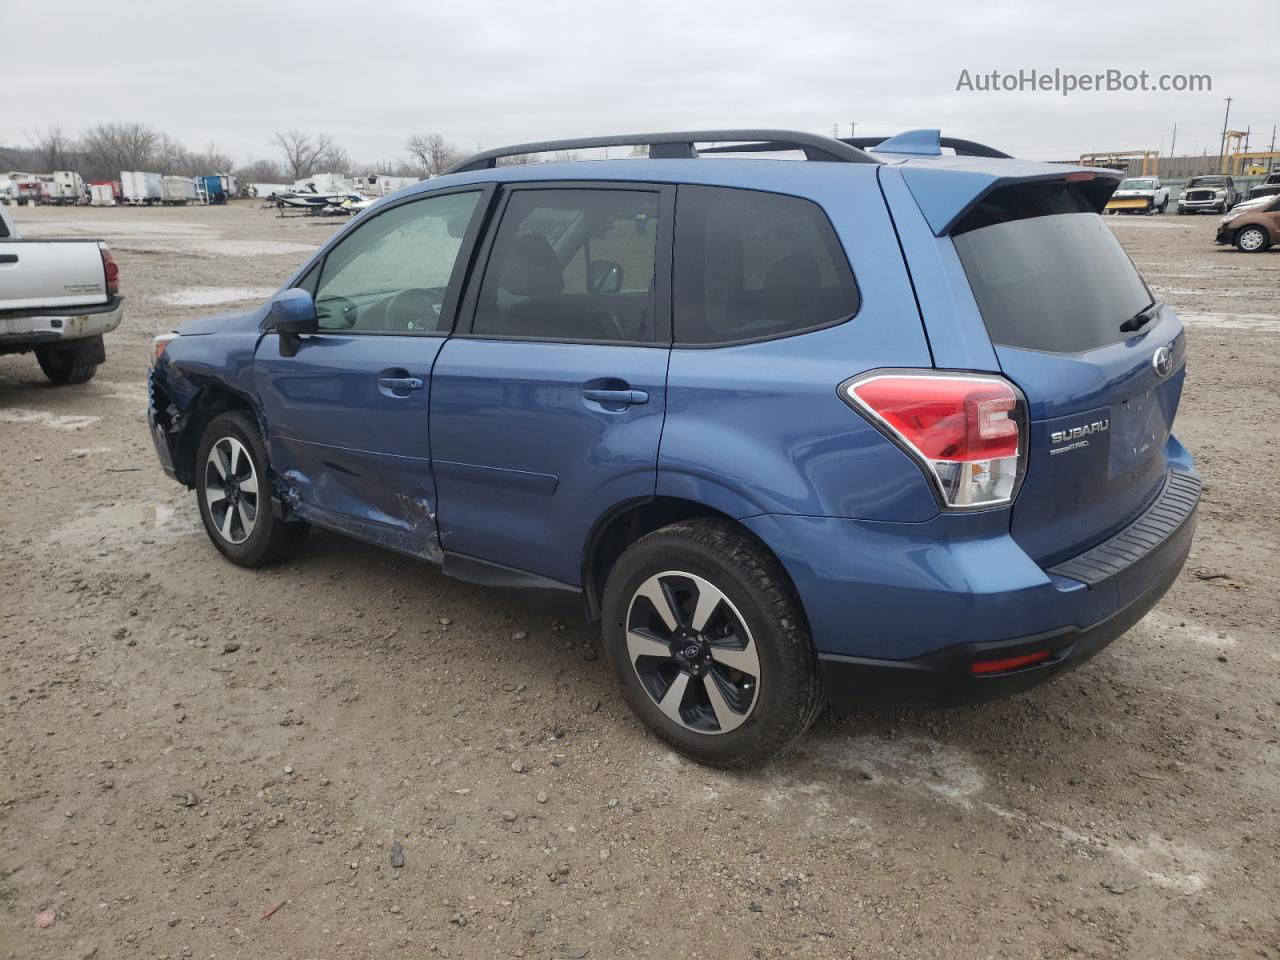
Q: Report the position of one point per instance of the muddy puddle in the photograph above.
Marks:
(43, 418)
(127, 525)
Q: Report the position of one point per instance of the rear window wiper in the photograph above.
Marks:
(1142, 317)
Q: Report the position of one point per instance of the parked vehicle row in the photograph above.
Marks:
(847, 428)
(57, 299)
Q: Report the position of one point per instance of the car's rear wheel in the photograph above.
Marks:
(233, 485)
(68, 366)
(708, 643)
(1252, 240)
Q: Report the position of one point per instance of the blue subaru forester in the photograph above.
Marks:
(795, 416)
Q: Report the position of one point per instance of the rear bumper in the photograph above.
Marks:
(946, 679)
(900, 612)
(26, 330)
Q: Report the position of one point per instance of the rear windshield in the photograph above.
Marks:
(1046, 271)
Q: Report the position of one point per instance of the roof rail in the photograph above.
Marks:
(963, 148)
(681, 145)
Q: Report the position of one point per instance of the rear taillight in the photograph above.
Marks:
(966, 430)
(111, 269)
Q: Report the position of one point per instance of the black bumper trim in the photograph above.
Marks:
(944, 678)
(1153, 527)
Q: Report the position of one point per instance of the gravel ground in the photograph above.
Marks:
(186, 747)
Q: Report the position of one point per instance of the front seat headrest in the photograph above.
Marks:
(530, 268)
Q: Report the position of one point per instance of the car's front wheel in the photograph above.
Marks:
(233, 485)
(708, 643)
(1252, 240)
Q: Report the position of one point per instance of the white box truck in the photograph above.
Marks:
(138, 187)
(177, 190)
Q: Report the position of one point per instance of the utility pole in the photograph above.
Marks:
(1222, 144)
(852, 125)
(1173, 140)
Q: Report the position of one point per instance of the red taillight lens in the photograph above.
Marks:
(111, 269)
(965, 429)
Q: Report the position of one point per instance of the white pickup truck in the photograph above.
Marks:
(57, 298)
(1139, 195)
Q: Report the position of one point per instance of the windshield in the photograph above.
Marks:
(1026, 249)
(1137, 185)
(1207, 182)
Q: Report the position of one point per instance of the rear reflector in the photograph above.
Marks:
(966, 430)
(981, 667)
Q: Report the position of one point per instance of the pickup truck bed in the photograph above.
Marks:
(57, 298)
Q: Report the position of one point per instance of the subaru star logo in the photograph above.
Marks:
(1163, 362)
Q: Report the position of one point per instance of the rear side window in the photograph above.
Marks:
(1046, 271)
(753, 266)
(572, 264)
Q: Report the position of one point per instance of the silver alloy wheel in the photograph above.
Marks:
(693, 652)
(231, 490)
(1251, 239)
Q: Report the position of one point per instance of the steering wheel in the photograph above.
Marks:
(417, 308)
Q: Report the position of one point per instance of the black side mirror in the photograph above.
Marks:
(293, 312)
(604, 276)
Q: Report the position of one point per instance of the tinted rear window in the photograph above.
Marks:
(1046, 271)
(752, 266)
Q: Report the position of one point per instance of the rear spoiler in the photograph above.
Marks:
(946, 193)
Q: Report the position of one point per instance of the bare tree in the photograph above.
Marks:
(54, 148)
(261, 171)
(432, 153)
(210, 160)
(171, 156)
(113, 147)
(302, 152)
(334, 160)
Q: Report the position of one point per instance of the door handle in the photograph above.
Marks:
(8, 258)
(404, 384)
(616, 396)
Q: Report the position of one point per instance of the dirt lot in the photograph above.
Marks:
(185, 745)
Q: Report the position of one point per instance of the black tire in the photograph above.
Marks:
(1255, 234)
(788, 692)
(68, 367)
(270, 539)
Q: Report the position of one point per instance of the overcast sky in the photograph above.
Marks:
(504, 71)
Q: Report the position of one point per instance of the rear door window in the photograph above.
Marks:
(1046, 271)
(752, 266)
(573, 264)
